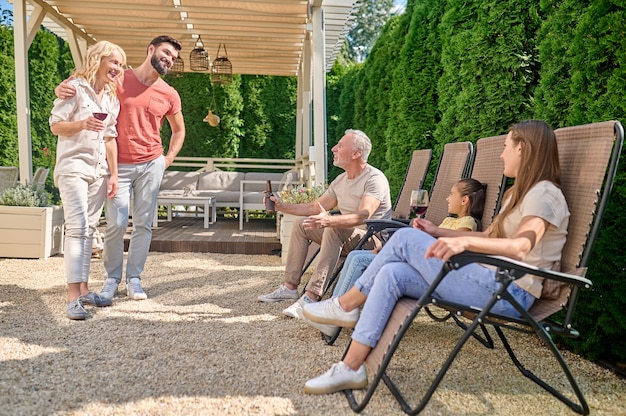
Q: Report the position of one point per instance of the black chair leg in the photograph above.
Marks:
(581, 408)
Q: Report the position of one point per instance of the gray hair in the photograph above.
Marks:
(361, 142)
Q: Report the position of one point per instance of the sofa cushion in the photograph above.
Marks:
(172, 193)
(261, 176)
(220, 180)
(221, 197)
(253, 197)
(176, 179)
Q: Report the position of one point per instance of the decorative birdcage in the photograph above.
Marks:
(178, 68)
(199, 58)
(222, 71)
(212, 118)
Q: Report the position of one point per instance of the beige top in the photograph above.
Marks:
(544, 200)
(349, 192)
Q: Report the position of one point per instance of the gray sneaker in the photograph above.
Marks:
(109, 288)
(280, 294)
(339, 377)
(134, 290)
(95, 299)
(75, 310)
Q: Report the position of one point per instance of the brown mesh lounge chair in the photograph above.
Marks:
(413, 179)
(454, 161)
(487, 168)
(454, 164)
(589, 156)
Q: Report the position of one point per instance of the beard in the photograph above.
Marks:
(158, 65)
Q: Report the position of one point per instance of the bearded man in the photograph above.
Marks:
(145, 101)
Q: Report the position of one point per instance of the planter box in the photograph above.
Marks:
(286, 225)
(31, 232)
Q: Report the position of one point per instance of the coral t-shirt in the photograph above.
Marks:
(142, 111)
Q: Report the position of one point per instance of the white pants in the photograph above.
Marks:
(82, 206)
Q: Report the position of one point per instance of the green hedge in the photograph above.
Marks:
(466, 69)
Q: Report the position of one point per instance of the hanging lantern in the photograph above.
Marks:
(178, 68)
(222, 71)
(199, 58)
(212, 118)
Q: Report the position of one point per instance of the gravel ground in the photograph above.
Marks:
(202, 345)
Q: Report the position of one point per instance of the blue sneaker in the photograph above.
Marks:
(95, 300)
(109, 288)
(75, 311)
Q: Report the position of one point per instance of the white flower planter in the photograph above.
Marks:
(31, 232)
(286, 224)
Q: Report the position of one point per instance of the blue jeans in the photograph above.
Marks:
(353, 267)
(142, 180)
(400, 269)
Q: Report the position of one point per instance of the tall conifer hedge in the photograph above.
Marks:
(470, 68)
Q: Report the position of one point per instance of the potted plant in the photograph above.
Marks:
(29, 227)
(299, 194)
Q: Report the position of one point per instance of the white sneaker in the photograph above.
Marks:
(328, 330)
(134, 290)
(330, 312)
(295, 310)
(280, 294)
(339, 377)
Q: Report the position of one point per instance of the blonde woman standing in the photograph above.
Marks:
(86, 165)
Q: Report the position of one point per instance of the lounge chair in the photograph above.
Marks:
(413, 179)
(589, 156)
(454, 162)
(8, 177)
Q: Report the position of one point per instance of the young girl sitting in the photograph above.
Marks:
(466, 203)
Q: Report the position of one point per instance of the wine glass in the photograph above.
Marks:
(419, 202)
(100, 116)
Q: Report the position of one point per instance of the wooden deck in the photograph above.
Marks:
(186, 234)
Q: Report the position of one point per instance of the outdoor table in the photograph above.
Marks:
(208, 202)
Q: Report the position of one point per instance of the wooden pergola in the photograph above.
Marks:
(266, 37)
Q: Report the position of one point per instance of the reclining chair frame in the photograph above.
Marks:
(508, 271)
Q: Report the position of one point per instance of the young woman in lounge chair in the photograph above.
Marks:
(531, 226)
(466, 204)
